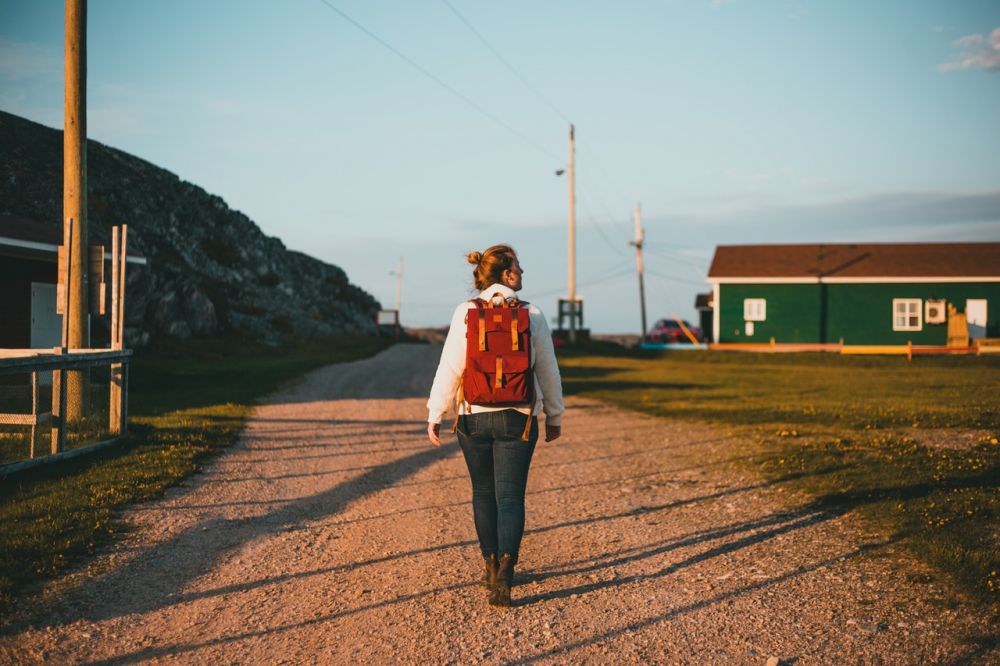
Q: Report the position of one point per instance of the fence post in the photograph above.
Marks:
(59, 420)
(123, 399)
(34, 413)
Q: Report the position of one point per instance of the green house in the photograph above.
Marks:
(861, 294)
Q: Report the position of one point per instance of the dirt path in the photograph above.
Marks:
(333, 533)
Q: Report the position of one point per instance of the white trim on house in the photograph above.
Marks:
(851, 280)
(754, 309)
(49, 247)
(907, 312)
(716, 321)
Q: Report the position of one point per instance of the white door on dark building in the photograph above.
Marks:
(975, 314)
(46, 325)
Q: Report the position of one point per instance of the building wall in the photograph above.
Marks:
(856, 313)
(16, 276)
(793, 313)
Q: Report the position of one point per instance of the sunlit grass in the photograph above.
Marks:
(911, 446)
(187, 404)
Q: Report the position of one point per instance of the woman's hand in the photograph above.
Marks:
(434, 433)
(552, 432)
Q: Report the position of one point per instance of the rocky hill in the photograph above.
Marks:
(210, 268)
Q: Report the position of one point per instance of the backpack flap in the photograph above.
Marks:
(498, 356)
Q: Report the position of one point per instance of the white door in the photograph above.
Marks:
(975, 314)
(46, 325)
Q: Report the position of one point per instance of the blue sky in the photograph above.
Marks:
(733, 121)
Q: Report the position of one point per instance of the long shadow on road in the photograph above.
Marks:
(168, 566)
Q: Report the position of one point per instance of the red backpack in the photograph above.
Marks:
(497, 356)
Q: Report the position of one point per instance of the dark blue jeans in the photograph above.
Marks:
(498, 462)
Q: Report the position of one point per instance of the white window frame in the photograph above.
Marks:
(754, 309)
(907, 308)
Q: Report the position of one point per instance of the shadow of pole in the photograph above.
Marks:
(211, 539)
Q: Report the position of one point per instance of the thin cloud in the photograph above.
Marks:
(978, 52)
(885, 217)
(22, 60)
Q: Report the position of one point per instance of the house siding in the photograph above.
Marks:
(16, 276)
(857, 313)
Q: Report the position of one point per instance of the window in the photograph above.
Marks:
(906, 314)
(754, 309)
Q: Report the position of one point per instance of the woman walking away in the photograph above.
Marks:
(499, 368)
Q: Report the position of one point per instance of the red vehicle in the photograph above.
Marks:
(668, 330)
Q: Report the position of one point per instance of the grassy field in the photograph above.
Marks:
(187, 404)
(911, 446)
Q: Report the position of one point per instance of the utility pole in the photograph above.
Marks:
(399, 286)
(75, 195)
(572, 239)
(639, 236)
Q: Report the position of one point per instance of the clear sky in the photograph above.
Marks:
(734, 121)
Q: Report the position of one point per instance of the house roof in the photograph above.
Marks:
(20, 236)
(857, 260)
(15, 227)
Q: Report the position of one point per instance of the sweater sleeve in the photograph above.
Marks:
(450, 367)
(547, 369)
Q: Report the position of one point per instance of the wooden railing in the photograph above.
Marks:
(58, 362)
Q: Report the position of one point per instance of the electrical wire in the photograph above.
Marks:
(674, 278)
(534, 91)
(481, 109)
(586, 283)
(676, 256)
(590, 217)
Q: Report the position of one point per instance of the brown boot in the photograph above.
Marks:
(505, 577)
(489, 579)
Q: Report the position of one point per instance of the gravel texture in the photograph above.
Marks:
(334, 533)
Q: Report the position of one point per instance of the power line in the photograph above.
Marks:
(534, 91)
(625, 224)
(674, 278)
(676, 256)
(587, 283)
(537, 93)
(481, 109)
(614, 185)
(590, 217)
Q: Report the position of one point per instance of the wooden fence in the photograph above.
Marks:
(34, 361)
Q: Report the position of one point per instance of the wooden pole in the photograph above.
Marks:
(114, 397)
(639, 236)
(118, 397)
(572, 236)
(75, 194)
(399, 285)
(59, 378)
(34, 413)
(122, 259)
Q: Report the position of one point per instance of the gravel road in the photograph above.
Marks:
(334, 533)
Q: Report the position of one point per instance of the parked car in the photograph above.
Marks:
(668, 330)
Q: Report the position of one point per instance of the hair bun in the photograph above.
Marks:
(474, 258)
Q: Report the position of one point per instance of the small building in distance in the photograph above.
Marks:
(703, 304)
(858, 294)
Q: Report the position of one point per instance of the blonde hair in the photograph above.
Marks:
(490, 265)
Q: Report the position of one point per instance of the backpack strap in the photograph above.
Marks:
(503, 300)
(458, 400)
(482, 325)
(531, 415)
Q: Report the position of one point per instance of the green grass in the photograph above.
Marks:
(910, 446)
(187, 403)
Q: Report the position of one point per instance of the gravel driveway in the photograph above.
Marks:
(334, 533)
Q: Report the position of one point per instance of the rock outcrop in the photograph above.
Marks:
(210, 268)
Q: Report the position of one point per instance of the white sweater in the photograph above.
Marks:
(548, 385)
